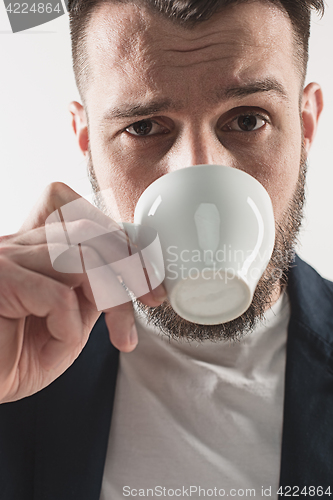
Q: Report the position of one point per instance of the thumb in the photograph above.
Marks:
(55, 196)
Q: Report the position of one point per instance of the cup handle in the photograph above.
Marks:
(145, 241)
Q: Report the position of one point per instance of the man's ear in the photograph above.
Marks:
(312, 106)
(80, 125)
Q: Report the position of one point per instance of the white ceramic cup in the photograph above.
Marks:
(216, 229)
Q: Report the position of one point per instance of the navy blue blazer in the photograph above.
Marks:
(53, 444)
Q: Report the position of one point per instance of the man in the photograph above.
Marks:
(166, 85)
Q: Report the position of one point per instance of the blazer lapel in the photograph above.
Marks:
(307, 442)
(73, 423)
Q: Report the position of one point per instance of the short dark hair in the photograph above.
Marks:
(187, 13)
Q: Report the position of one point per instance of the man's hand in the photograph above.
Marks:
(46, 316)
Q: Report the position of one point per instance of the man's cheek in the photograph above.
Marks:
(279, 178)
(281, 189)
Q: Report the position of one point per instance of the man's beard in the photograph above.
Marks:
(274, 278)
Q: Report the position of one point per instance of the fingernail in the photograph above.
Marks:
(160, 293)
(133, 335)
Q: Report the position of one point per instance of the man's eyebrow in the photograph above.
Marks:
(138, 110)
(266, 85)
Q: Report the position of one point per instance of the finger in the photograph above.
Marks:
(75, 232)
(63, 204)
(121, 326)
(100, 285)
(21, 296)
(106, 292)
(84, 266)
(125, 257)
(11, 340)
(115, 249)
(36, 258)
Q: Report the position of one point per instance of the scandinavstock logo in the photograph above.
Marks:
(81, 239)
(28, 14)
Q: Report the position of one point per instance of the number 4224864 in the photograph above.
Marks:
(35, 8)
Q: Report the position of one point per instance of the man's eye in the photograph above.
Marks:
(246, 123)
(144, 128)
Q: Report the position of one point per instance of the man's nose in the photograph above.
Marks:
(198, 148)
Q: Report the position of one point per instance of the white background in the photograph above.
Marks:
(38, 145)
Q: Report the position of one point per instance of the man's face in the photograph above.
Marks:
(162, 97)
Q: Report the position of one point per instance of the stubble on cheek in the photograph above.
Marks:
(118, 199)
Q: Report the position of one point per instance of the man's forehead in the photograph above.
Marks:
(130, 31)
(136, 54)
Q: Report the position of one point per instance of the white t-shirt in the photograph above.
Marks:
(189, 416)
